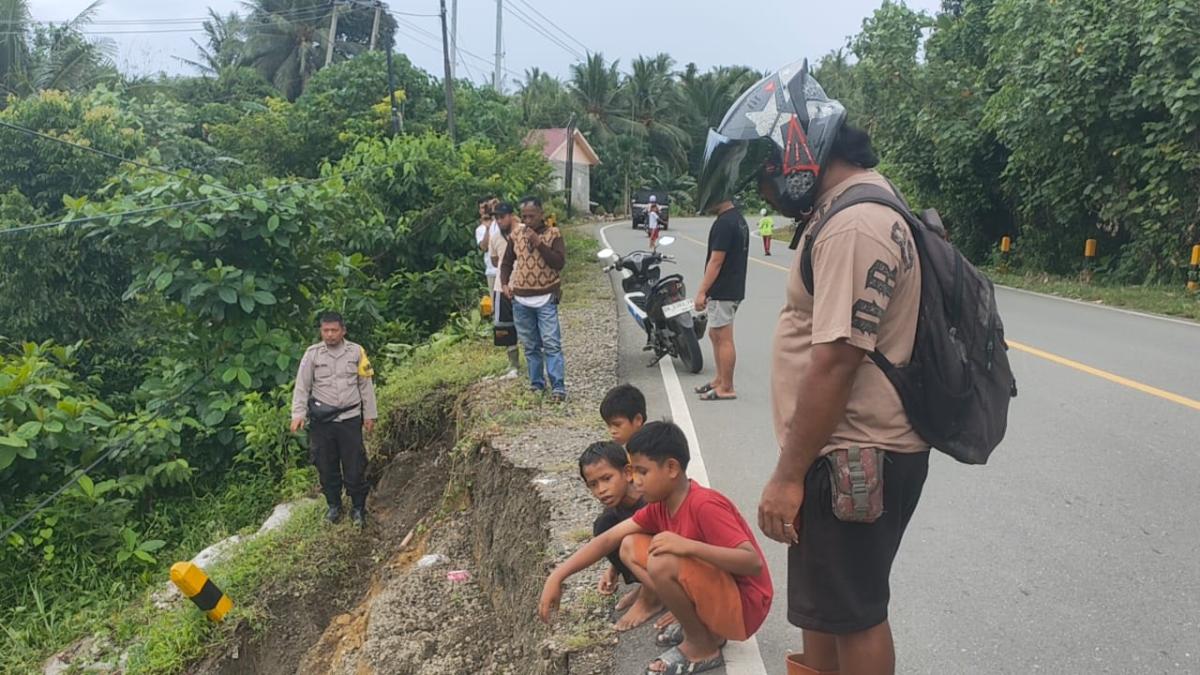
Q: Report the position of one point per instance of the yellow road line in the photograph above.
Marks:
(752, 258)
(1054, 358)
(1111, 377)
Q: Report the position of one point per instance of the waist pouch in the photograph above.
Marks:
(856, 475)
(323, 413)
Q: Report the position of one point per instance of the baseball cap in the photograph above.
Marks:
(503, 209)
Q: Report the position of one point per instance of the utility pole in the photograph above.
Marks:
(396, 122)
(569, 175)
(498, 77)
(454, 39)
(375, 24)
(449, 77)
(333, 16)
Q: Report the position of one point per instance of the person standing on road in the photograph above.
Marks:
(335, 394)
(766, 230)
(484, 232)
(836, 413)
(653, 226)
(529, 273)
(504, 332)
(721, 292)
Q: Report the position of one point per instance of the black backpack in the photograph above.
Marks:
(957, 387)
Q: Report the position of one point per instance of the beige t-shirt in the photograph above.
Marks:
(867, 281)
(496, 247)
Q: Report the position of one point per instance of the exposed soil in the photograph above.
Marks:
(501, 506)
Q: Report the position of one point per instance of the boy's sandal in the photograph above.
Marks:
(670, 636)
(712, 395)
(704, 388)
(677, 663)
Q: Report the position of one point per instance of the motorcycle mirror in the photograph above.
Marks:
(666, 241)
(604, 254)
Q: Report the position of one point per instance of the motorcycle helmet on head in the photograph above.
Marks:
(780, 130)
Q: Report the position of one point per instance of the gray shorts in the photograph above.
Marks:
(721, 312)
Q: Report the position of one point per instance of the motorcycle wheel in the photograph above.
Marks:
(688, 347)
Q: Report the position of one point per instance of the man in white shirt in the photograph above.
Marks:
(484, 231)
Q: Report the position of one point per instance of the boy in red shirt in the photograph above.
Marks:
(691, 547)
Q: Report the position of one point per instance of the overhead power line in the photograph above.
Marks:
(560, 29)
(533, 24)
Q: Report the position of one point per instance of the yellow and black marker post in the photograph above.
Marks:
(195, 584)
(1194, 270)
(1005, 249)
(1089, 259)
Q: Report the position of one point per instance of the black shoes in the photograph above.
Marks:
(358, 517)
(334, 514)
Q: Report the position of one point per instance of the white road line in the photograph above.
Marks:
(1144, 315)
(741, 658)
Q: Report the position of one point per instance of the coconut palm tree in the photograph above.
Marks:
(544, 100)
(654, 105)
(596, 88)
(226, 37)
(14, 44)
(54, 56)
(286, 41)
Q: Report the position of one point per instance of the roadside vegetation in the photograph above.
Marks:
(149, 343)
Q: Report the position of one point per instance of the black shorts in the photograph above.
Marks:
(504, 333)
(838, 573)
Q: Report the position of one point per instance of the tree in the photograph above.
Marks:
(654, 102)
(596, 88)
(226, 37)
(287, 41)
(544, 101)
(54, 56)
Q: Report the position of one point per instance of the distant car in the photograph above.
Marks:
(639, 207)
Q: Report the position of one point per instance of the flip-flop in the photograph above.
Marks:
(704, 388)
(712, 395)
(678, 664)
(670, 636)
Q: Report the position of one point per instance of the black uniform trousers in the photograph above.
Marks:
(338, 452)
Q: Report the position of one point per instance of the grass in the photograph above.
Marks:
(1171, 301)
(303, 553)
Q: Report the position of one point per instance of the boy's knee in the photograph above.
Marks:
(633, 550)
(663, 567)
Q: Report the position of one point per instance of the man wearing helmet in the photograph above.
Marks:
(830, 401)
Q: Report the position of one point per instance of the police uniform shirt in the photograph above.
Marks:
(336, 376)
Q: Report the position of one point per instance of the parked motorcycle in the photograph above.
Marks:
(660, 305)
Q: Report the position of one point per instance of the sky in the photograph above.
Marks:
(762, 34)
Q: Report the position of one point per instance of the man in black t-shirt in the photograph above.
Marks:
(721, 291)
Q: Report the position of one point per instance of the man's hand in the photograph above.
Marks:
(532, 238)
(297, 424)
(369, 425)
(551, 595)
(777, 509)
(669, 543)
(608, 582)
(701, 302)
(508, 291)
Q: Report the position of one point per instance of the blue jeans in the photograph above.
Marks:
(539, 332)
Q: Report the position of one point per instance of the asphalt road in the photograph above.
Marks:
(1075, 550)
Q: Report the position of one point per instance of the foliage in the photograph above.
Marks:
(1086, 131)
(56, 56)
(54, 170)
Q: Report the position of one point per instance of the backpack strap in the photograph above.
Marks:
(862, 193)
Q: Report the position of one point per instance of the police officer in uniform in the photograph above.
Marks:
(335, 394)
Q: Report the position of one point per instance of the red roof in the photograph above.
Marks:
(552, 141)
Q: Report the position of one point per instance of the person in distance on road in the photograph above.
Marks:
(653, 226)
(335, 394)
(691, 547)
(766, 230)
(838, 418)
